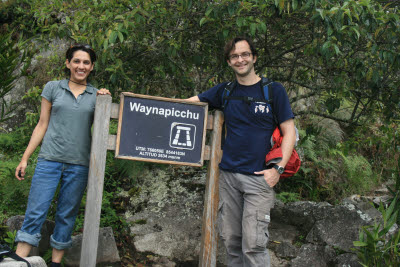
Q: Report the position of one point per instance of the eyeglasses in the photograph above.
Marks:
(244, 55)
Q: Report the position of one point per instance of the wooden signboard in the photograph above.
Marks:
(162, 130)
(174, 141)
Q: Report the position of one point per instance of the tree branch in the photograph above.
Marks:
(301, 113)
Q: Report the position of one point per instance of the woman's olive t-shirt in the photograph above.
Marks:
(68, 136)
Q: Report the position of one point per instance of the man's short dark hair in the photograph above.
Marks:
(231, 45)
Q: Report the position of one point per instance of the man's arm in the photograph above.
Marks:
(288, 141)
(271, 176)
(193, 99)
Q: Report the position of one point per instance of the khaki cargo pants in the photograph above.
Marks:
(244, 208)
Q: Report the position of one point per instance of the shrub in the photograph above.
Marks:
(376, 246)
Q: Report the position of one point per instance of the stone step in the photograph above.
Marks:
(35, 261)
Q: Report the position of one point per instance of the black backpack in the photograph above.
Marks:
(267, 94)
(267, 98)
(5, 252)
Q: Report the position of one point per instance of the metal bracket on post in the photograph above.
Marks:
(209, 237)
(95, 181)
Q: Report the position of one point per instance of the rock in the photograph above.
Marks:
(277, 261)
(21, 85)
(332, 226)
(170, 236)
(281, 232)
(107, 251)
(365, 204)
(15, 223)
(286, 250)
(161, 262)
(298, 214)
(347, 260)
(313, 255)
(34, 261)
(385, 200)
(167, 220)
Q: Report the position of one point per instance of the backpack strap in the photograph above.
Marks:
(266, 93)
(226, 96)
(12, 255)
(18, 258)
(270, 100)
(227, 91)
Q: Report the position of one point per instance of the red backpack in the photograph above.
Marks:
(275, 156)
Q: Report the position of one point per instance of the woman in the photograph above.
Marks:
(65, 122)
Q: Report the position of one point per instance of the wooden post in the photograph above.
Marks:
(209, 239)
(96, 181)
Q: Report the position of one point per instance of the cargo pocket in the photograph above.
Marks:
(263, 220)
(220, 215)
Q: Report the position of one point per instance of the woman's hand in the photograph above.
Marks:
(103, 91)
(20, 170)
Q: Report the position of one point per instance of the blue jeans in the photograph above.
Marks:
(48, 175)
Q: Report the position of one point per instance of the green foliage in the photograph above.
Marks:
(342, 53)
(13, 142)
(299, 241)
(376, 247)
(360, 177)
(380, 142)
(335, 57)
(287, 197)
(13, 193)
(14, 14)
(333, 167)
(119, 175)
(10, 239)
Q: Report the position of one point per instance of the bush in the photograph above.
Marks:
(376, 246)
(13, 193)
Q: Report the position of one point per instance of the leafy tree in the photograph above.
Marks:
(344, 55)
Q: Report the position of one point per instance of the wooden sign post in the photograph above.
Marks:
(102, 140)
(97, 167)
(209, 235)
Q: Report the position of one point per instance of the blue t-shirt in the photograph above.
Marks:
(249, 125)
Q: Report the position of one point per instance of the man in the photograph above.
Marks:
(245, 186)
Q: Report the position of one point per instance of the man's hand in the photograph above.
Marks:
(271, 176)
(193, 99)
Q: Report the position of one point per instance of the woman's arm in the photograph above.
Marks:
(36, 138)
